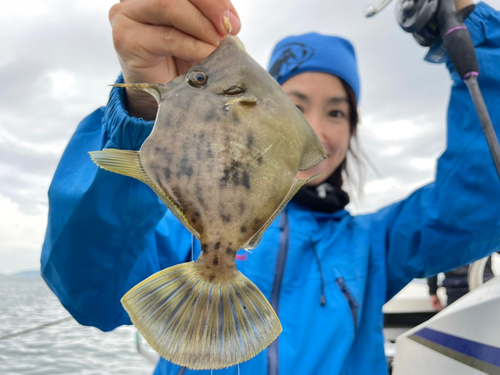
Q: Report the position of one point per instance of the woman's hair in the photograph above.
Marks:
(351, 170)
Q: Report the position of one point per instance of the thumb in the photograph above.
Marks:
(216, 10)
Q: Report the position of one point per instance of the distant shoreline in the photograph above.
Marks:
(23, 274)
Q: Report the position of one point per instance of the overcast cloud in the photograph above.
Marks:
(58, 58)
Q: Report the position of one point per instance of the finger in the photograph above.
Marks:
(134, 40)
(215, 10)
(236, 20)
(180, 14)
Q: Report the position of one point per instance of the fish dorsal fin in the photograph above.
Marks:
(155, 89)
(297, 184)
(128, 163)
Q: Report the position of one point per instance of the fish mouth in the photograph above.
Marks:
(234, 91)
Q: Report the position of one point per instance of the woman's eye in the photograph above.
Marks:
(300, 108)
(336, 114)
(197, 79)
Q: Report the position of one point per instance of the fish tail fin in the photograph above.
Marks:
(201, 324)
(154, 89)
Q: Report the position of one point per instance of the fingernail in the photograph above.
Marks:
(235, 23)
(227, 24)
(230, 22)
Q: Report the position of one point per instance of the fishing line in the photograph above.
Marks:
(37, 328)
(192, 248)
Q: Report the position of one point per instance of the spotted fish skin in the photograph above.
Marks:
(223, 155)
(227, 167)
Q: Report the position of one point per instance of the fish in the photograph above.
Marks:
(222, 156)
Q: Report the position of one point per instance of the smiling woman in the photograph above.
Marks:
(324, 84)
(324, 102)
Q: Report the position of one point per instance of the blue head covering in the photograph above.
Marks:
(314, 52)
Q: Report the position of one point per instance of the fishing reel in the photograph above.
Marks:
(421, 17)
(434, 21)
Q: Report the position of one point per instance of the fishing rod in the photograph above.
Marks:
(434, 21)
(37, 328)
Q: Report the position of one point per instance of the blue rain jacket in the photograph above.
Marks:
(107, 232)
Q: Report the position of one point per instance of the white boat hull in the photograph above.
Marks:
(463, 339)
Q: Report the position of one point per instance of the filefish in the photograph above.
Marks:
(223, 155)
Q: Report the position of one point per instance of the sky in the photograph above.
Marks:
(58, 58)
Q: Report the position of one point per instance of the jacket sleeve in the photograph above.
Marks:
(456, 219)
(106, 232)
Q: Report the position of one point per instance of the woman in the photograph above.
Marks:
(326, 273)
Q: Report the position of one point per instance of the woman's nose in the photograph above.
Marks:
(315, 123)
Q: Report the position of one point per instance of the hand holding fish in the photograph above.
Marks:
(460, 4)
(156, 41)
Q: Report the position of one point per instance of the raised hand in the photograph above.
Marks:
(158, 40)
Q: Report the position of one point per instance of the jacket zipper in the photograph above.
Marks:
(353, 305)
(273, 351)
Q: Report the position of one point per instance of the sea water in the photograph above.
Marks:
(66, 348)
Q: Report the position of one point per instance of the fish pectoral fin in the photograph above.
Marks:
(128, 163)
(297, 184)
(155, 89)
(243, 100)
(199, 324)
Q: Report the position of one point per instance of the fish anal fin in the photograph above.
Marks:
(297, 184)
(200, 324)
(128, 163)
(254, 241)
(174, 209)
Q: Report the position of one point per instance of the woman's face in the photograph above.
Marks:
(324, 102)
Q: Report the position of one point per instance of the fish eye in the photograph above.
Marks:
(197, 79)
